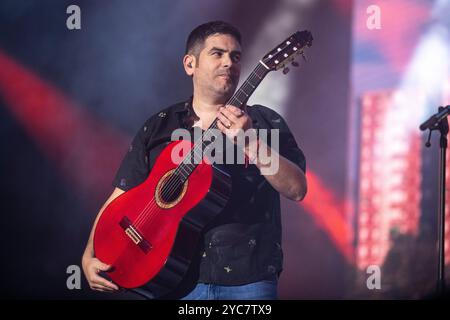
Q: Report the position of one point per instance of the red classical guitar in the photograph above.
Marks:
(150, 233)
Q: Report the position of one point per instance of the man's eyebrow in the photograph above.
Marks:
(223, 50)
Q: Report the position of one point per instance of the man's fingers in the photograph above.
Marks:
(229, 115)
(222, 127)
(101, 288)
(225, 121)
(97, 280)
(103, 266)
(235, 110)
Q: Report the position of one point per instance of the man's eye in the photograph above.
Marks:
(217, 53)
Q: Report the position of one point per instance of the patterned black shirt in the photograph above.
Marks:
(243, 245)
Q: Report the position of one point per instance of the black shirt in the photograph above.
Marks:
(243, 244)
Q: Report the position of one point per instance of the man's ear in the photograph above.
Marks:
(189, 64)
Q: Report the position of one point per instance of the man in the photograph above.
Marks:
(241, 252)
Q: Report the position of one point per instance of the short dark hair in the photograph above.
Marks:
(198, 36)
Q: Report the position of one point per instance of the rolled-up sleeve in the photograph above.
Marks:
(288, 147)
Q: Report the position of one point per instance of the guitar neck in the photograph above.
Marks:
(241, 96)
(239, 99)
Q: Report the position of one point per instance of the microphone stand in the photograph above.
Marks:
(439, 122)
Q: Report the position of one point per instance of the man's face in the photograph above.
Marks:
(218, 67)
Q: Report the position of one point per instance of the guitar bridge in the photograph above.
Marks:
(135, 235)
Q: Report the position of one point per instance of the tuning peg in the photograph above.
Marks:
(285, 70)
(295, 64)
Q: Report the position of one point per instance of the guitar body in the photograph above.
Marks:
(151, 237)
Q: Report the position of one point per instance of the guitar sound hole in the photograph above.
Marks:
(171, 189)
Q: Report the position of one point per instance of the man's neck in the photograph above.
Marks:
(206, 107)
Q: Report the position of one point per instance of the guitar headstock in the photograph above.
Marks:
(288, 50)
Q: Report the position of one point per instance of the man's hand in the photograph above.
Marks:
(232, 120)
(288, 180)
(91, 265)
(91, 268)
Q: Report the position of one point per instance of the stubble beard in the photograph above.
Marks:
(224, 90)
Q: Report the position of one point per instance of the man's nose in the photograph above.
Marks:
(227, 62)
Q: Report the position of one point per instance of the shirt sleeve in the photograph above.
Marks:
(134, 168)
(288, 147)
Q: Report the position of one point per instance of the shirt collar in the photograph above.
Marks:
(184, 106)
